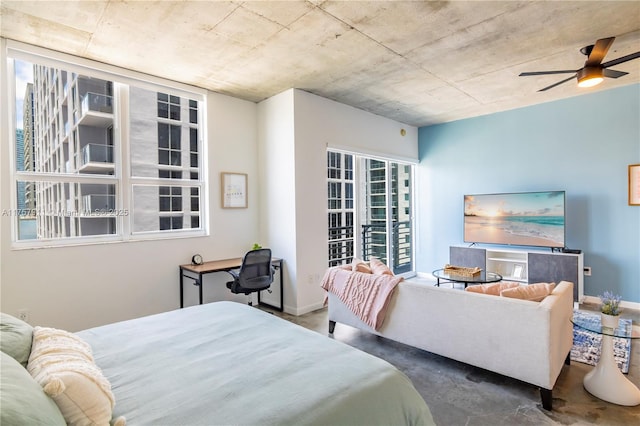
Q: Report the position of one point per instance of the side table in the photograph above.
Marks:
(606, 381)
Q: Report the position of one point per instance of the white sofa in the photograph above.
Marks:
(529, 341)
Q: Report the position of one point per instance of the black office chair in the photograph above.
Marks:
(255, 274)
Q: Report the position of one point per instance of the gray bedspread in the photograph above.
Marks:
(226, 363)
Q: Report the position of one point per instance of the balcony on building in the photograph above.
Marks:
(97, 158)
(96, 110)
(103, 203)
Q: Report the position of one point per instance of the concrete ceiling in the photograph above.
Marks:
(419, 63)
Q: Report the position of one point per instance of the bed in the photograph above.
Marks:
(227, 363)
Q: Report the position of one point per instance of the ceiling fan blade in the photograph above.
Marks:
(599, 51)
(614, 73)
(621, 60)
(524, 74)
(557, 84)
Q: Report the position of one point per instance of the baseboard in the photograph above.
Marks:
(297, 311)
(594, 300)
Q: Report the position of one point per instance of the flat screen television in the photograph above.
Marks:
(524, 218)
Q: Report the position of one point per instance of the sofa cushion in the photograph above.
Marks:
(15, 338)
(359, 265)
(533, 292)
(22, 399)
(492, 289)
(378, 267)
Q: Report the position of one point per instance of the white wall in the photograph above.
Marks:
(301, 212)
(277, 185)
(84, 286)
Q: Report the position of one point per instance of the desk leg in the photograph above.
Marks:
(200, 285)
(281, 287)
(181, 290)
(281, 307)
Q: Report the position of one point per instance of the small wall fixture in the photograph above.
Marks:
(590, 76)
(403, 132)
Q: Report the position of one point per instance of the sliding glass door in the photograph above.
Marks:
(370, 210)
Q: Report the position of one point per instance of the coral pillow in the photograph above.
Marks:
(62, 363)
(492, 289)
(358, 265)
(533, 292)
(378, 267)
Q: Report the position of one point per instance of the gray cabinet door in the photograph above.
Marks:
(554, 268)
(468, 256)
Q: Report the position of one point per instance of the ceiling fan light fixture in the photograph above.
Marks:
(590, 76)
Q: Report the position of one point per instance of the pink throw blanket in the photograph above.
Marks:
(367, 295)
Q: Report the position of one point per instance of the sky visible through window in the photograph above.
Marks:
(24, 75)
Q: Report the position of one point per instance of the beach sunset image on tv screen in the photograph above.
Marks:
(526, 219)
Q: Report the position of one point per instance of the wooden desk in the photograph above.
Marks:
(223, 266)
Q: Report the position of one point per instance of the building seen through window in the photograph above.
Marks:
(70, 178)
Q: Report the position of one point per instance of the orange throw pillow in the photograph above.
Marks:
(378, 267)
(493, 289)
(532, 292)
(358, 265)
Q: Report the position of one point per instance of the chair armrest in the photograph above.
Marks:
(235, 273)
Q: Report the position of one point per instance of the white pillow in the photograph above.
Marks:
(63, 365)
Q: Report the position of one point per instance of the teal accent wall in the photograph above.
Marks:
(582, 145)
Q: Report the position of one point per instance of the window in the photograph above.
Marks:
(369, 210)
(169, 106)
(170, 222)
(340, 207)
(74, 124)
(169, 151)
(193, 141)
(193, 112)
(170, 199)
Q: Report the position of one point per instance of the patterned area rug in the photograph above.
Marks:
(586, 345)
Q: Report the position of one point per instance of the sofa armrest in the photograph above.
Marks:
(560, 305)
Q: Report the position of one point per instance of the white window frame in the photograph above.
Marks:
(342, 181)
(122, 178)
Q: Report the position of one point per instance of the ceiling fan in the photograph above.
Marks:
(593, 71)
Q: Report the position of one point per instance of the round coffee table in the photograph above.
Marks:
(606, 381)
(483, 277)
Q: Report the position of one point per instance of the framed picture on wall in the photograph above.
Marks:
(234, 190)
(634, 184)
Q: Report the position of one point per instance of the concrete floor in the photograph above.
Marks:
(460, 394)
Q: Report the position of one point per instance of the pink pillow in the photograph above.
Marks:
(493, 289)
(346, 267)
(378, 267)
(358, 265)
(532, 292)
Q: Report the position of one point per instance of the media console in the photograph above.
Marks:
(525, 266)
